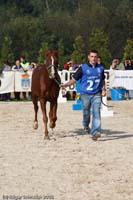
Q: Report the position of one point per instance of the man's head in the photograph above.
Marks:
(128, 61)
(99, 60)
(17, 62)
(22, 59)
(93, 57)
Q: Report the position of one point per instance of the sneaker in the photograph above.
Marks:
(86, 129)
(96, 136)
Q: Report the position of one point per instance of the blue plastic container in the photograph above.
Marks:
(78, 105)
(117, 94)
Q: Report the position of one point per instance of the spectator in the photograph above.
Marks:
(66, 66)
(25, 65)
(99, 60)
(75, 67)
(128, 64)
(32, 66)
(17, 67)
(117, 65)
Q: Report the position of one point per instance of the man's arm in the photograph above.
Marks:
(76, 76)
(71, 82)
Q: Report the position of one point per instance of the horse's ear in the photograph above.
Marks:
(56, 53)
(47, 53)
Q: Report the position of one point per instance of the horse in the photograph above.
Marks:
(45, 88)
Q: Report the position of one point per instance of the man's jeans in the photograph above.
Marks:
(91, 107)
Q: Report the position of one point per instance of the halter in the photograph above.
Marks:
(51, 69)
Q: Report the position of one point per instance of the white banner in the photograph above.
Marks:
(23, 81)
(6, 82)
(120, 78)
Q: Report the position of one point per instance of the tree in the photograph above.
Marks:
(43, 49)
(6, 51)
(61, 54)
(78, 54)
(99, 41)
(128, 50)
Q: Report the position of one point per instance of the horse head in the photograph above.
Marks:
(52, 63)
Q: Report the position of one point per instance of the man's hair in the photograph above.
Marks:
(23, 57)
(100, 57)
(93, 51)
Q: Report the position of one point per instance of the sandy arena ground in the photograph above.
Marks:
(70, 166)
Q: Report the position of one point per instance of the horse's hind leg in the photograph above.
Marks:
(52, 114)
(45, 118)
(35, 102)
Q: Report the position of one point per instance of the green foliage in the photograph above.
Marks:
(61, 50)
(99, 41)
(31, 23)
(6, 51)
(43, 49)
(78, 55)
(128, 50)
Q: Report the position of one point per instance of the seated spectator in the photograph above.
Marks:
(75, 67)
(66, 66)
(17, 67)
(99, 60)
(25, 65)
(70, 63)
(117, 65)
(32, 65)
(7, 66)
(128, 64)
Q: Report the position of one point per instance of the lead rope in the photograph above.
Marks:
(63, 90)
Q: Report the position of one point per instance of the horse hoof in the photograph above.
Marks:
(46, 137)
(35, 125)
(52, 125)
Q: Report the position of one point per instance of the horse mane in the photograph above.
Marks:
(50, 53)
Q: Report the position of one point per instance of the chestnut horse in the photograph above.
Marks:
(45, 87)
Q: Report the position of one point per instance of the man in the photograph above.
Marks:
(128, 64)
(15, 68)
(92, 86)
(25, 65)
(117, 65)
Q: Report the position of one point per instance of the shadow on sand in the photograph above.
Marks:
(106, 134)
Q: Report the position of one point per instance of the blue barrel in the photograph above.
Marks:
(118, 94)
(78, 86)
(78, 104)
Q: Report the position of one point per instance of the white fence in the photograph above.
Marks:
(18, 81)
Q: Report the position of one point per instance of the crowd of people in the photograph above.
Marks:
(117, 65)
(21, 65)
(127, 65)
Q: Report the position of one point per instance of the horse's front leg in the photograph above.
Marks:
(45, 118)
(52, 114)
(35, 102)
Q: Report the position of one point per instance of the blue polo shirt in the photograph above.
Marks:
(91, 78)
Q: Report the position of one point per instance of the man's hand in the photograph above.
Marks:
(62, 85)
(104, 93)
